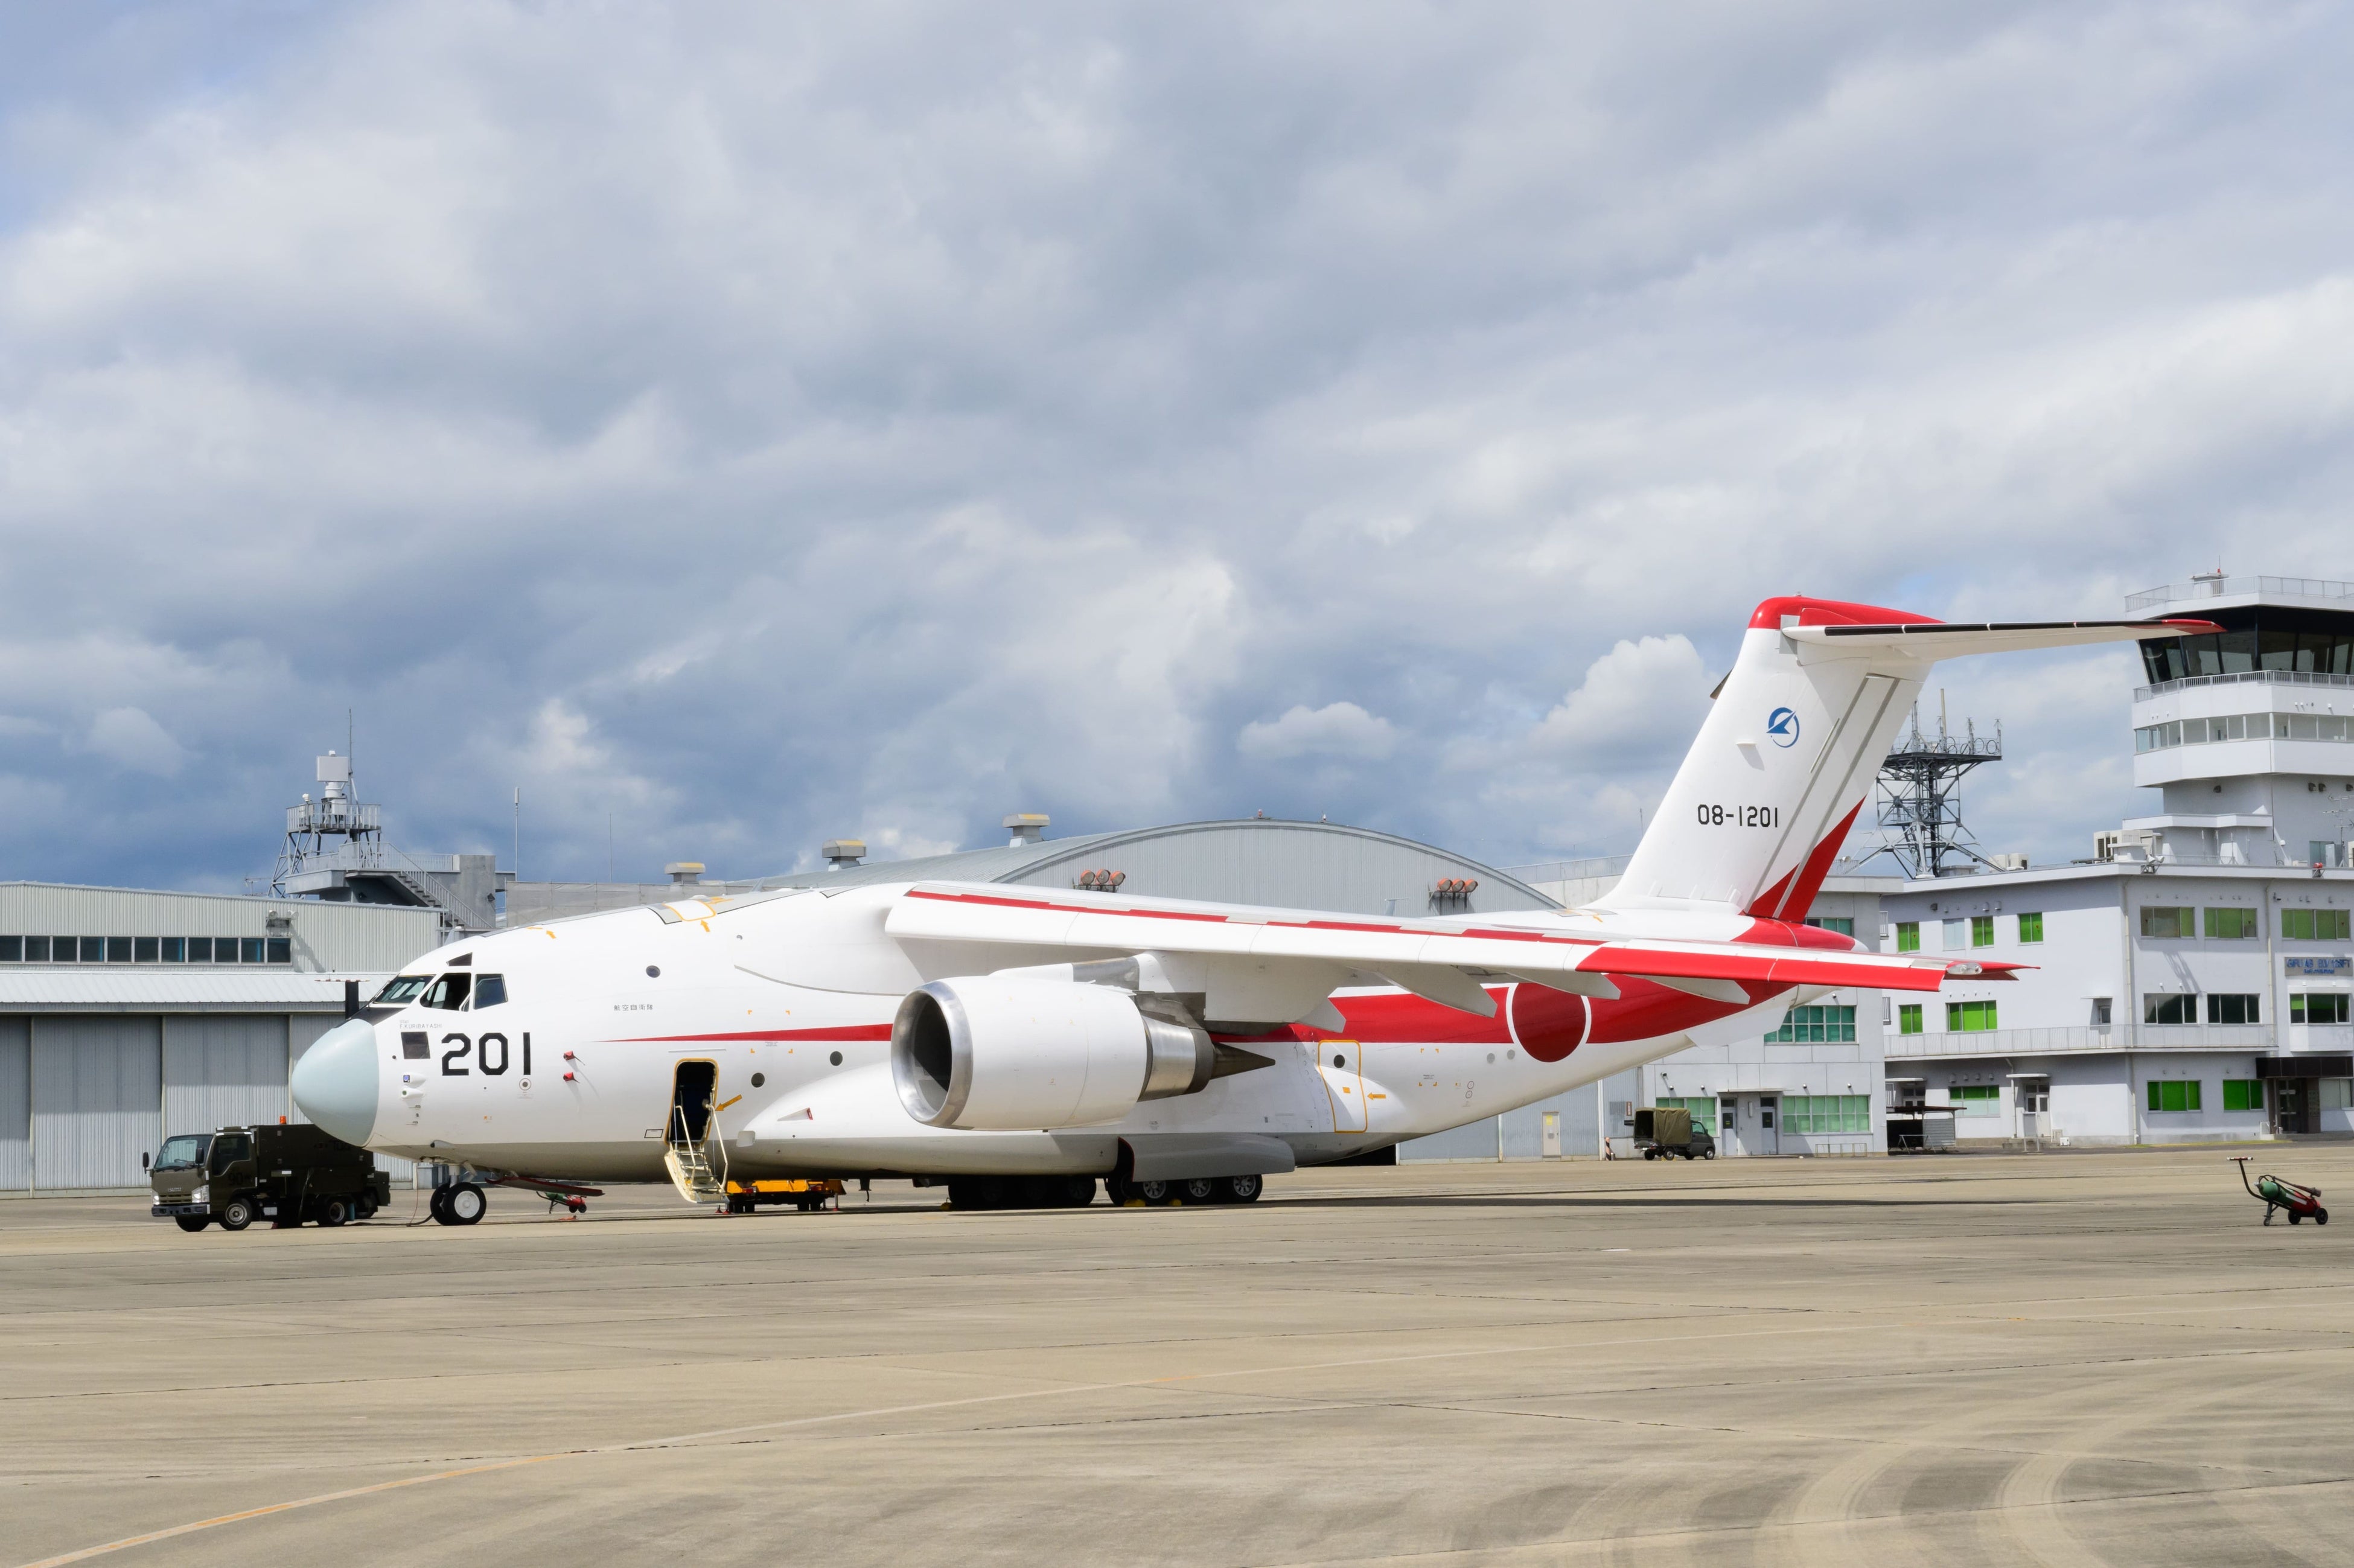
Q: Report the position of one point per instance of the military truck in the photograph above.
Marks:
(1667, 1131)
(285, 1174)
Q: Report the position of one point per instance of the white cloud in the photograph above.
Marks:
(1639, 706)
(775, 420)
(1335, 730)
(130, 738)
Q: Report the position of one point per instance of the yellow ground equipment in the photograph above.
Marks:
(742, 1197)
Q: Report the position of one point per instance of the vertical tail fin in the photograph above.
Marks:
(1787, 756)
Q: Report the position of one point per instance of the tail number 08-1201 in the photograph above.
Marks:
(494, 1056)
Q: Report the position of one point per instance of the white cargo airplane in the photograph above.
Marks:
(1022, 1043)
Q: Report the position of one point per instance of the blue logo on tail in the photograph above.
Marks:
(1783, 725)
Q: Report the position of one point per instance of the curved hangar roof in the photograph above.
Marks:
(1298, 865)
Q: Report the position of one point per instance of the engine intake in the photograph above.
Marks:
(1007, 1053)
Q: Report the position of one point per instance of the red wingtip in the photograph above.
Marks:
(2190, 628)
(1830, 612)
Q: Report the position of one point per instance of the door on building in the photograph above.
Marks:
(2293, 1105)
(1769, 1138)
(1552, 1135)
(2034, 1095)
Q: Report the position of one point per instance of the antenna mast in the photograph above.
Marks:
(1920, 818)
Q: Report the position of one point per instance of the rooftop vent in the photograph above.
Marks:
(1027, 828)
(841, 853)
(684, 872)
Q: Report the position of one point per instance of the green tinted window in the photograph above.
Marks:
(2315, 925)
(1703, 1108)
(1827, 1113)
(1908, 1018)
(2170, 1095)
(1908, 936)
(1815, 1025)
(1969, 1017)
(1981, 930)
(2230, 925)
(2030, 928)
(2243, 1094)
(1976, 1100)
(2167, 923)
(2317, 1007)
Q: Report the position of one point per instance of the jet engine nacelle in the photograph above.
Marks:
(1011, 1052)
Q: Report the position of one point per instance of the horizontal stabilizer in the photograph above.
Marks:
(1952, 639)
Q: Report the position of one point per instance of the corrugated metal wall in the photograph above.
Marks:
(84, 1096)
(223, 1069)
(97, 1099)
(16, 1105)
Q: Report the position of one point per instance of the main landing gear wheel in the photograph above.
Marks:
(1157, 1194)
(463, 1205)
(193, 1223)
(236, 1214)
(1243, 1189)
(1202, 1190)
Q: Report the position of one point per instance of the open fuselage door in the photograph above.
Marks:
(693, 1153)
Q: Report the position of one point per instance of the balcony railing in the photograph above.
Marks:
(2226, 587)
(2238, 677)
(2063, 1041)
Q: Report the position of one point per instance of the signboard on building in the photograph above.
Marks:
(2330, 964)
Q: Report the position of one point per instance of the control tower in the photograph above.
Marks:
(335, 851)
(2247, 734)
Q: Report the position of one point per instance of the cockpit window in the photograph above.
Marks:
(448, 993)
(402, 987)
(489, 991)
(183, 1152)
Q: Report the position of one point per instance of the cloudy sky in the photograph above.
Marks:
(742, 425)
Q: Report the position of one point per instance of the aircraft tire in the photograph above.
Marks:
(467, 1204)
(1078, 1192)
(192, 1223)
(438, 1205)
(1159, 1195)
(236, 1214)
(1242, 1188)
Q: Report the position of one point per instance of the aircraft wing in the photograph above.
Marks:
(1294, 951)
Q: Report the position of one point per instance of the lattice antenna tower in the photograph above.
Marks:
(1921, 824)
(334, 831)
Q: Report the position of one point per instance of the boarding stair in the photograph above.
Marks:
(698, 1169)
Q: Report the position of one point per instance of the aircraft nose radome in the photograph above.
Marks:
(334, 1083)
